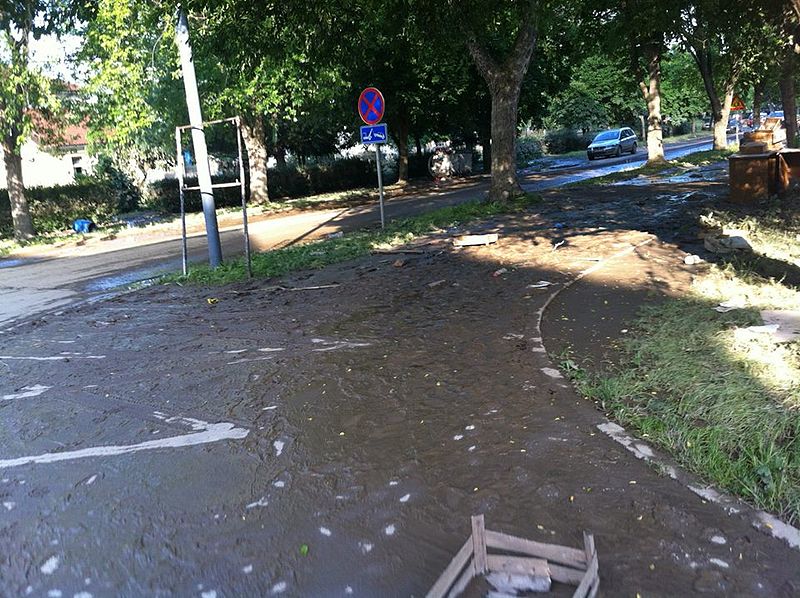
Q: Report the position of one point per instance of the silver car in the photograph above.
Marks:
(612, 143)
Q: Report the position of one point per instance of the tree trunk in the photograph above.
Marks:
(257, 157)
(721, 121)
(504, 183)
(418, 144)
(23, 225)
(504, 81)
(758, 99)
(789, 98)
(400, 134)
(651, 90)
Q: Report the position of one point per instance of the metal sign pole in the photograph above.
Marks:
(380, 180)
(198, 139)
(237, 122)
(179, 172)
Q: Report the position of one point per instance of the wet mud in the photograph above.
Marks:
(378, 414)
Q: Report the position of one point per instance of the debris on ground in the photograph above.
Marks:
(436, 283)
(730, 305)
(787, 322)
(540, 285)
(468, 240)
(336, 235)
(399, 263)
(729, 241)
(509, 573)
(499, 272)
(693, 260)
(557, 245)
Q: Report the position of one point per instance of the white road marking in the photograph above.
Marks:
(26, 392)
(261, 502)
(204, 433)
(50, 565)
(53, 358)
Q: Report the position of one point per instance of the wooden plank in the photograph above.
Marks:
(566, 575)
(550, 552)
(588, 580)
(467, 240)
(463, 581)
(479, 544)
(591, 553)
(449, 575)
(524, 565)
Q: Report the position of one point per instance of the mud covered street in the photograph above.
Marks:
(271, 438)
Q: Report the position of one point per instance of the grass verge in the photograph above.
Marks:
(724, 402)
(318, 254)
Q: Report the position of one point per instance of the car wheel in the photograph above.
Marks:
(590, 156)
(618, 153)
(634, 148)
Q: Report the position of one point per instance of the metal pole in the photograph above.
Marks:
(198, 139)
(380, 180)
(179, 173)
(237, 122)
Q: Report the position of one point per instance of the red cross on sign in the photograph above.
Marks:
(371, 106)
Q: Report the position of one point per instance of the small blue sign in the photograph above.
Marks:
(374, 134)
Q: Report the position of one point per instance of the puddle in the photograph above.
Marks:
(12, 263)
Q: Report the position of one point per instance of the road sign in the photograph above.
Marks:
(371, 106)
(374, 134)
(737, 104)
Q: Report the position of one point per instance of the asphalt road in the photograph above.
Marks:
(53, 279)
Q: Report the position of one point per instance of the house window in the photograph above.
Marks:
(77, 165)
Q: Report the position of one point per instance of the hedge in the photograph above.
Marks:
(54, 208)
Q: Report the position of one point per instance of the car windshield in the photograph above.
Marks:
(607, 136)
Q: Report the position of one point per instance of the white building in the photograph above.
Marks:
(49, 165)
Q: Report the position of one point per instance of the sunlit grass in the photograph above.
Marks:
(318, 254)
(724, 402)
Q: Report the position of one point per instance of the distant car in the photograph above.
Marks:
(708, 122)
(612, 143)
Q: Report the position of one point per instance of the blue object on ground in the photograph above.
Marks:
(82, 225)
(559, 225)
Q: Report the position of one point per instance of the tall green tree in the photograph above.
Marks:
(501, 38)
(641, 29)
(24, 92)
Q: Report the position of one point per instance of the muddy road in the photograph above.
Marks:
(254, 440)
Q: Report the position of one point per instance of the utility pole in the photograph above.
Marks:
(198, 139)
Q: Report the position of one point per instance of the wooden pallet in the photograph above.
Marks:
(558, 563)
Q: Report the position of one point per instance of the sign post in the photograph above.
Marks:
(371, 108)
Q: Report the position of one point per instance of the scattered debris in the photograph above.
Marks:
(539, 285)
(730, 305)
(499, 272)
(782, 326)
(212, 300)
(693, 260)
(468, 240)
(336, 235)
(436, 283)
(559, 225)
(725, 243)
(399, 263)
(557, 245)
(509, 574)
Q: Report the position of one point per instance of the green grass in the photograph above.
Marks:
(318, 254)
(706, 157)
(725, 404)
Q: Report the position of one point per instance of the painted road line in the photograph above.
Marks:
(205, 433)
(26, 392)
(52, 358)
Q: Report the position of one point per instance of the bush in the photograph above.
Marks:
(561, 141)
(54, 208)
(284, 182)
(528, 149)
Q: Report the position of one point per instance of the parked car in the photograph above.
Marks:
(612, 143)
(708, 123)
